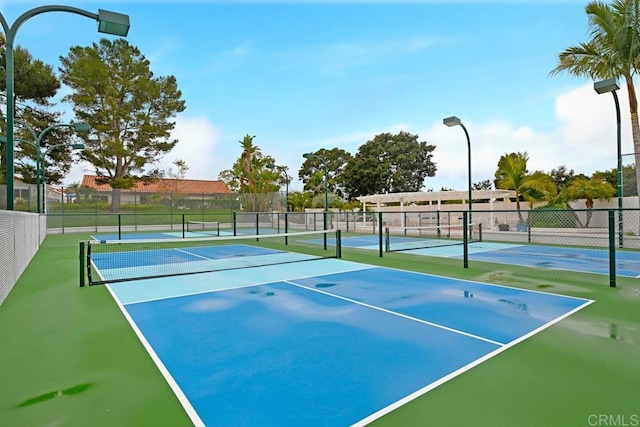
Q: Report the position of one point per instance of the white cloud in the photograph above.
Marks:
(197, 143)
(584, 139)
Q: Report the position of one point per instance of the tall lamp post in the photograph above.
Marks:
(108, 23)
(455, 121)
(287, 179)
(43, 169)
(37, 144)
(604, 86)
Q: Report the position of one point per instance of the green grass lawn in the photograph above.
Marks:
(68, 357)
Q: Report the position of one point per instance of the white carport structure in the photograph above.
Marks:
(435, 198)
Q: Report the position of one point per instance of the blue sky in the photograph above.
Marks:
(304, 75)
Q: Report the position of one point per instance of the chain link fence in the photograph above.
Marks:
(558, 244)
(561, 245)
(22, 234)
(25, 197)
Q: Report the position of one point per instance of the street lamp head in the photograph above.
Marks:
(81, 127)
(452, 121)
(113, 23)
(307, 155)
(270, 166)
(77, 146)
(605, 86)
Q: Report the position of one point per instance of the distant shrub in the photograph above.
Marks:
(141, 207)
(87, 204)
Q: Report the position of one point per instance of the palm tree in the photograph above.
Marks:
(315, 183)
(249, 153)
(612, 52)
(538, 186)
(250, 176)
(299, 200)
(512, 174)
(590, 190)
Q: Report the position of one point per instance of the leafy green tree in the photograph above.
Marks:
(336, 160)
(590, 190)
(483, 185)
(171, 183)
(35, 84)
(512, 174)
(131, 112)
(250, 177)
(612, 51)
(629, 183)
(389, 163)
(563, 178)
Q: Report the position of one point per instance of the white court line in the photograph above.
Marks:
(487, 283)
(446, 328)
(354, 267)
(195, 418)
(195, 255)
(412, 396)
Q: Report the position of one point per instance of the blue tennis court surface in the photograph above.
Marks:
(325, 342)
(551, 257)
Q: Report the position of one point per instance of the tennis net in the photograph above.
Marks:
(204, 227)
(110, 261)
(409, 238)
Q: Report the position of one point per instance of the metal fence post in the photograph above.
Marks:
(612, 249)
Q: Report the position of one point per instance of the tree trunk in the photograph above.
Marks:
(635, 129)
(518, 208)
(575, 216)
(115, 200)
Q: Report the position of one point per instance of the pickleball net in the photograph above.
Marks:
(110, 261)
(210, 228)
(409, 238)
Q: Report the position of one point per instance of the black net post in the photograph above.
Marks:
(386, 239)
(235, 224)
(465, 242)
(324, 225)
(257, 224)
(380, 233)
(88, 263)
(338, 243)
(82, 263)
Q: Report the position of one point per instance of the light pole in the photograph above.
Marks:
(44, 166)
(326, 178)
(78, 127)
(604, 86)
(454, 121)
(108, 23)
(283, 169)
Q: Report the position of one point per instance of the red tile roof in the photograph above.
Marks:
(164, 185)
